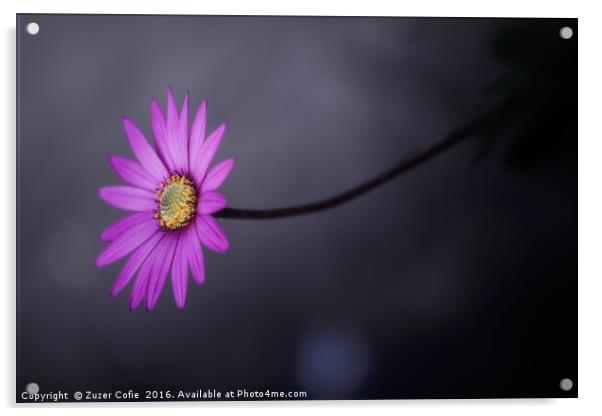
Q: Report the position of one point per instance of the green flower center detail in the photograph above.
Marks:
(177, 202)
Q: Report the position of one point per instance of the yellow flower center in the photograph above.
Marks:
(177, 202)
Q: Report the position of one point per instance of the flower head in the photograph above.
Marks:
(172, 194)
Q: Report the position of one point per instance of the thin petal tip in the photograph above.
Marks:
(128, 125)
(102, 192)
(149, 305)
(202, 110)
(113, 159)
(224, 249)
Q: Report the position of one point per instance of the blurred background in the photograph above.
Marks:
(458, 279)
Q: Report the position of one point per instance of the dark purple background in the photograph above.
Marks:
(458, 279)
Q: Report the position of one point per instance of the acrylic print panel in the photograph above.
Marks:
(296, 208)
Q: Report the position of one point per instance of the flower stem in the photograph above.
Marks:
(404, 165)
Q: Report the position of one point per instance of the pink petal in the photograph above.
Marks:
(217, 175)
(206, 153)
(211, 234)
(182, 143)
(124, 224)
(172, 115)
(165, 254)
(132, 172)
(128, 197)
(160, 132)
(211, 202)
(126, 242)
(197, 134)
(195, 256)
(179, 270)
(177, 142)
(141, 283)
(134, 262)
(144, 152)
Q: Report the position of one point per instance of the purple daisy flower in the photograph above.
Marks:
(172, 194)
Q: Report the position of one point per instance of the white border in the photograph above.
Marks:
(590, 187)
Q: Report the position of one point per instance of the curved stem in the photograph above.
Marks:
(404, 165)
